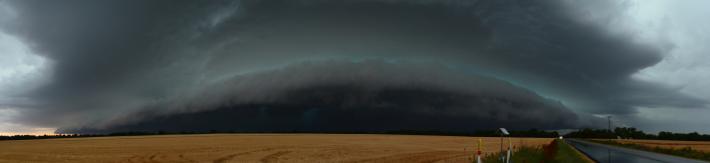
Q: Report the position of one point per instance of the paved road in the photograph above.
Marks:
(611, 154)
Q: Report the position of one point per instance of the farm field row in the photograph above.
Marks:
(255, 148)
(696, 145)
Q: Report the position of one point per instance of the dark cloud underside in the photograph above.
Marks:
(117, 58)
(336, 96)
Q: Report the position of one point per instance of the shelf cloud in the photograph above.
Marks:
(337, 96)
(320, 65)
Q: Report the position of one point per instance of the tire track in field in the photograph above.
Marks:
(274, 157)
(181, 156)
(158, 158)
(144, 158)
(130, 159)
(430, 156)
(232, 156)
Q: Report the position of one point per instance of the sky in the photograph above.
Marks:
(107, 66)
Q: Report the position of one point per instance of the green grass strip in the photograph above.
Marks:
(556, 152)
(567, 153)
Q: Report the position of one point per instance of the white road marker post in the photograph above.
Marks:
(510, 153)
(478, 153)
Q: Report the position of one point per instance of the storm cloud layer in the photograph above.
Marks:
(336, 96)
(113, 60)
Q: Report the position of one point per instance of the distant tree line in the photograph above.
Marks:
(633, 133)
(519, 133)
(619, 132)
(28, 137)
(480, 133)
(694, 136)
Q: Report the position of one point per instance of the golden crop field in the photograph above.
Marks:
(697, 145)
(219, 148)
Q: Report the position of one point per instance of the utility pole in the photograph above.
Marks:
(609, 118)
(611, 133)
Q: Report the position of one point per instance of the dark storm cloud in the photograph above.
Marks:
(107, 53)
(118, 57)
(337, 96)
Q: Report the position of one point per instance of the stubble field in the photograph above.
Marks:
(219, 148)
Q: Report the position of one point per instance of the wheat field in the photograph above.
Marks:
(697, 145)
(222, 148)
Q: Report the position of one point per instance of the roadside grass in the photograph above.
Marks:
(556, 152)
(567, 153)
(522, 155)
(686, 152)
